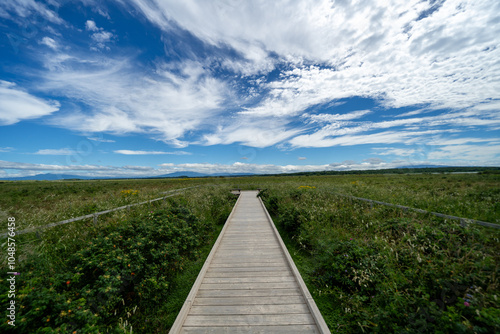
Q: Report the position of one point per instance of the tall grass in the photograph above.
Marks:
(37, 203)
(132, 272)
(384, 270)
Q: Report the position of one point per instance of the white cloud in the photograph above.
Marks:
(62, 151)
(23, 10)
(101, 140)
(25, 169)
(6, 149)
(91, 26)
(44, 167)
(403, 152)
(207, 168)
(331, 118)
(471, 154)
(324, 138)
(17, 105)
(403, 53)
(102, 37)
(132, 152)
(167, 104)
(97, 6)
(390, 52)
(255, 132)
(332, 132)
(99, 36)
(51, 43)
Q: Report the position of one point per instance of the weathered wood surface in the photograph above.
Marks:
(249, 283)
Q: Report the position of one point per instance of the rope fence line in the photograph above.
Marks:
(95, 215)
(463, 221)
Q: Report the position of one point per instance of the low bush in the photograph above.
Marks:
(117, 280)
(379, 270)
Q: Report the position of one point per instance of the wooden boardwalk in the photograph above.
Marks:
(249, 283)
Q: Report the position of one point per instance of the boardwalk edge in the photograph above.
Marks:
(181, 317)
(320, 322)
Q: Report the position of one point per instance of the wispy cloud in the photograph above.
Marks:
(61, 151)
(19, 10)
(101, 140)
(16, 104)
(51, 43)
(242, 84)
(403, 152)
(24, 169)
(469, 154)
(403, 53)
(332, 118)
(6, 149)
(174, 100)
(132, 152)
(99, 36)
(45, 167)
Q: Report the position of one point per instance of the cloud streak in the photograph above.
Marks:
(17, 105)
(176, 99)
(400, 53)
(132, 152)
(25, 169)
(269, 74)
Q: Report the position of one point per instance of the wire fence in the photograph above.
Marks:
(463, 221)
(96, 215)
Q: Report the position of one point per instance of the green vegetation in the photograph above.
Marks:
(370, 268)
(36, 203)
(381, 270)
(128, 274)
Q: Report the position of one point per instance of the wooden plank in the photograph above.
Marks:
(248, 300)
(226, 268)
(255, 279)
(236, 261)
(248, 257)
(249, 293)
(237, 266)
(295, 329)
(246, 254)
(249, 309)
(245, 257)
(247, 286)
(249, 319)
(282, 273)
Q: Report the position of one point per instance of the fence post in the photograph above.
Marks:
(95, 219)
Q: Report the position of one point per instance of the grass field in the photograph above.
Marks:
(369, 268)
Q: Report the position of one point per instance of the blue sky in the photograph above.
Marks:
(151, 87)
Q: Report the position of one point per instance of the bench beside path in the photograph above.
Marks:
(249, 283)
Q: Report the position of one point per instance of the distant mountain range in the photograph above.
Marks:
(45, 177)
(56, 177)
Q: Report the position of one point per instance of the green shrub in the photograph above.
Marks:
(126, 269)
(384, 270)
